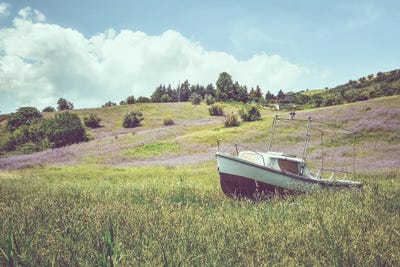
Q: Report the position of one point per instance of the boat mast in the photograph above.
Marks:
(272, 132)
(306, 142)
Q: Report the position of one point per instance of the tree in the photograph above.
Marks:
(143, 99)
(109, 104)
(224, 86)
(64, 129)
(210, 90)
(63, 104)
(281, 95)
(184, 91)
(23, 116)
(130, 100)
(49, 109)
(156, 96)
(255, 95)
(269, 96)
(165, 98)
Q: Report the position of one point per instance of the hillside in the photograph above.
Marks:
(192, 138)
(364, 88)
(151, 195)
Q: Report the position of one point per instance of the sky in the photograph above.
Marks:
(93, 51)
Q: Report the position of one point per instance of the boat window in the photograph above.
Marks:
(289, 166)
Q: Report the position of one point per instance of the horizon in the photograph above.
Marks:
(89, 55)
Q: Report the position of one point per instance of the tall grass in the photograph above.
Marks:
(175, 216)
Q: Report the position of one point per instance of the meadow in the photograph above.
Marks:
(151, 197)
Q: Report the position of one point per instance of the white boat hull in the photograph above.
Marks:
(245, 178)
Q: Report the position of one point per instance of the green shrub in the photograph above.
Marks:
(63, 104)
(195, 98)
(231, 120)
(64, 129)
(251, 114)
(216, 110)
(49, 109)
(23, 116)
(132, 119)
(168, 121)
(210, 100)
(93, 121)
(130, 100)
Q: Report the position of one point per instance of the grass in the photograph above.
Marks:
(177, 216)
(154, 149)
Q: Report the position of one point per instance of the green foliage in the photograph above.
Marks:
(216, 110)
(227, 90)
(165, 98)
(210, 100)
(49, 109)
(23, 116)
(231, 120)
(168, 121)
(132, 119)
(143, 99)
(195, 98)
(64, 129)
(111, 104)
(250, 114)
(108, 247)
(63, 104)
(93, 121)
(130, 100)
(255, 95)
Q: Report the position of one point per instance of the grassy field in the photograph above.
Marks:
(120, 199)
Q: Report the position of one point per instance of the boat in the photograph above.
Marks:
(250, 173)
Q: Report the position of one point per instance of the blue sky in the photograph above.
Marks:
(91, 52)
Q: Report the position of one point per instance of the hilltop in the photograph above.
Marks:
(193, 136)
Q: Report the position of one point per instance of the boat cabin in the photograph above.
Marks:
(277, 161)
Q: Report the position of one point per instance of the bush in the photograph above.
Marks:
(63, 104)
(132, 119)
(130, 100)
(216, 110)
(92, 121)
(110, 104)
(23, 116)
(231, 120)
(49, 109)
(251, 114)
(210, 100)
(195, 98)
(64, 129)
(168, 121)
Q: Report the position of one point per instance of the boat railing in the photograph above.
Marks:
(237, 146)
(333, 172)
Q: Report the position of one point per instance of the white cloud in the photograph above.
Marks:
(33, 15)
(4, 9)
(41, 62)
